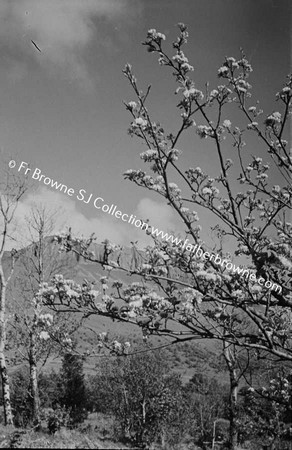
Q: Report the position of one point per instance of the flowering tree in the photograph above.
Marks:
(186, 294)
(267, 410)
(35, 332)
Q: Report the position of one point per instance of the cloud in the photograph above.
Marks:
(159, 214)
(61, 28)
(102, 224)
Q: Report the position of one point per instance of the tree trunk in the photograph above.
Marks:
(233, 410)
(34, 392)
(143, 428)
(8, 417)
(233, 379)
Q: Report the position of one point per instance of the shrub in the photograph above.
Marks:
(59, 417)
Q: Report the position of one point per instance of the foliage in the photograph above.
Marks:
(11, 438)
(20, 397)
(267, 411)
(72, 388)
(208, 402)
(58, 418)
(145, 399)
(62, 396)
(49, 388)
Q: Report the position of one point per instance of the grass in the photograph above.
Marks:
(95, 433)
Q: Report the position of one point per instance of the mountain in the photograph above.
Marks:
(184, 358)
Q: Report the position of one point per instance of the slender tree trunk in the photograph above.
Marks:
(8, 417)
(143, 405)
(34, 392)
(233, 410)
(233, 380)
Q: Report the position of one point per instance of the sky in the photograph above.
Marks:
(61, 100)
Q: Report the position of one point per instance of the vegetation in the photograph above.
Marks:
(136, 401)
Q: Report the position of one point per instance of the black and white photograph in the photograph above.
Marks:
(146, 224)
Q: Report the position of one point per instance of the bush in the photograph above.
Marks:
(59, 417)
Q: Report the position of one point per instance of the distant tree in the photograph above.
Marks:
(72, 388)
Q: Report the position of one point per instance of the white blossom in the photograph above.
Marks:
(204, 131)
(132, 105)
(252, 125)
(273, 119)
(206, 191)
(141, 122)
(44, 335)
(149, 155)
(223, 71)
(226, 124)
